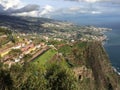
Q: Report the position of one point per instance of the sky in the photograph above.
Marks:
(47, 8)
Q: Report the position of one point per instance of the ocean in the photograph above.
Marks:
(112, 45)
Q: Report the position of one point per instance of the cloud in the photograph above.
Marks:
(74, 9)
(31, 14)
(91, 1)
(96, 12)
(10, 4)
(94, 1)
(16, 7)
(80, 10)
(93, 7)
(27, 8)
(45, 10)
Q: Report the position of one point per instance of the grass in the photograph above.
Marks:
(41, 60)
(65, 50)
(81, 44)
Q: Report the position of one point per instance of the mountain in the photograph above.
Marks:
(24, 24)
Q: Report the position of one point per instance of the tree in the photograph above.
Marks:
(27, 57)
(14, 52)
(28, 77)
(6, 82)
(60, 78)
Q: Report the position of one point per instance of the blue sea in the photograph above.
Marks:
(112, 45)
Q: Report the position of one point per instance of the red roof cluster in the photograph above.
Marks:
(26, 48)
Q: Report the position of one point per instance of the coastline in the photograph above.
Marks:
(106, 45)
(116, 70)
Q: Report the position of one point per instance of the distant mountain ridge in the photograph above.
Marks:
(25, 24)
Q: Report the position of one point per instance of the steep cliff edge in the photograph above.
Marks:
(92, 67)
(104, 76)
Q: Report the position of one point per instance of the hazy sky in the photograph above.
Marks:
(46, 8)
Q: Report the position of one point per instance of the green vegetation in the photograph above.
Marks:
(81, 44)
(37, 40)
(4, 31)
(60, 78)
(31, 77)
(74, 54)
(75, 66)
(65, 50)
(56, 42)
(90, 59)
(8, 34)
(5, 80)
(41, 60)
(14, 52)
(27, 57)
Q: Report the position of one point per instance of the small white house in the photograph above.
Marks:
(17, 60)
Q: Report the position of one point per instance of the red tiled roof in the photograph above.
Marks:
(27, 47)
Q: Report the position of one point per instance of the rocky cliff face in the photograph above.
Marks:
(92, 67)
(104, 76)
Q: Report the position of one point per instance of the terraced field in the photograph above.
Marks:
(41, 60)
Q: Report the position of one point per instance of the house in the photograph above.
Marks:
(17, 60)
(38, 46)
(42, 43)
(25, 48)
(18, 46)
(28, 48)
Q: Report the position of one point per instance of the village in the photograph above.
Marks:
(73, 32)
(24, 47)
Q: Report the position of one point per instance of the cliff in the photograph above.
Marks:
(104, 76)
(92, 67)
